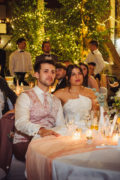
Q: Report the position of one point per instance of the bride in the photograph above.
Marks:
(76, 99)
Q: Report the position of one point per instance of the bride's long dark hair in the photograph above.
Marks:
(69, 72)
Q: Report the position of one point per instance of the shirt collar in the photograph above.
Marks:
(19, 50)
(47, 54)
(60, 81)
(95, 51)
(40, 91)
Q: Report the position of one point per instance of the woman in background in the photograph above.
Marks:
(89, 81)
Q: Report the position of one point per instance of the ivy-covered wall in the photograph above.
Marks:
(68, 28)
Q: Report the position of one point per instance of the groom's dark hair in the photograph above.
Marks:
(37, 65)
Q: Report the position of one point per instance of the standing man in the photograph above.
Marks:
(37, 111)
(96, 57)
(60, 76)
(46, 47)
(20, 62)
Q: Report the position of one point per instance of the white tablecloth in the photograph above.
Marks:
(64, 158)
(98, 165)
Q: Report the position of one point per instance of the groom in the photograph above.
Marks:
(37, 111)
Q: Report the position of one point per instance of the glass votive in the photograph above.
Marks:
(115, 138)
(77, 134)
(107, 131)
(94, 124)
(89, 134)
(17, 91)
(94, 120)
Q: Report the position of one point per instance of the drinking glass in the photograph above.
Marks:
(94, 120)
(69, 121)
(88, 119)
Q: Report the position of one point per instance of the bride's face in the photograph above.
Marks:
(76, 77)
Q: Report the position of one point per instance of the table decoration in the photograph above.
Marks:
(9, 80)
(89, 136)
(17, 89)
(101, 120)
(115, 138)
(77, 134)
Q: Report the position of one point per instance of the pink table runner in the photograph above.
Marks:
(42, 151)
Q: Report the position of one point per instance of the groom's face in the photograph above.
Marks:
(46, 75)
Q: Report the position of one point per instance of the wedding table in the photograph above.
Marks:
(64, 157)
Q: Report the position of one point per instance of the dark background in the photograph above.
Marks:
(52, 4)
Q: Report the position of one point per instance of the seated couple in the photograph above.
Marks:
(37, 111)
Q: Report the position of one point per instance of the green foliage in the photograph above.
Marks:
(75, 23)
(68, 28)
(27, 21)
(116, 103)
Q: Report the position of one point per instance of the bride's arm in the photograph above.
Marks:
(92, 96)
(60, 95)
(95, 104)
(93, 83)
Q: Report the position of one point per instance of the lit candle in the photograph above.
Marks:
(89, 134)
(17, 91)
(115, 138)
(77, 135)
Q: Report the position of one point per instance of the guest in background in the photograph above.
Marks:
(46, 47)
(96, 57)
(91, 67)
(20, 62)
(60, 75)
(37, 111)
(89, 81)
(7, 97)
(2, 61)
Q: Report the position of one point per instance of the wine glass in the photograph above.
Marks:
(94, 119)
(69, 121)
(88, 119)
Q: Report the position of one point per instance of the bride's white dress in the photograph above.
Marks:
(77, 109)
